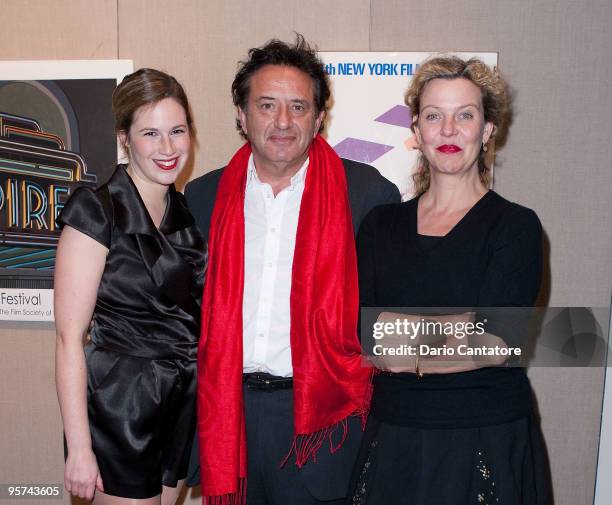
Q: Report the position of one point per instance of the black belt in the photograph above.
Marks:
(261, 381)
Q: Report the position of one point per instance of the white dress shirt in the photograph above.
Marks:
(270, 226)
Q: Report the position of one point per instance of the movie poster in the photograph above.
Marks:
(56, 133)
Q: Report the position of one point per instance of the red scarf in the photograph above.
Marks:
(329, 381)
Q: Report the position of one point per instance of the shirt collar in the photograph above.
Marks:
(298, 178)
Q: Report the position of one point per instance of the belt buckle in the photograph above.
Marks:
(265, 382)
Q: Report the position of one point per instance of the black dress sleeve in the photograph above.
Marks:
(89, 212)
(513, 275)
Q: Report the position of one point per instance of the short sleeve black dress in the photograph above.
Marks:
(141, 359)
(461, 438)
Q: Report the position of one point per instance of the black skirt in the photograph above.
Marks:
(503, 464)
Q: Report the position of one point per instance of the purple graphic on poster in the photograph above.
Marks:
(397, 116)
(360, 150)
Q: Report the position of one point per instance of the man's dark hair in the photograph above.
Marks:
(300, 55)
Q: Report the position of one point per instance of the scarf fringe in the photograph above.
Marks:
(306, 446)
(237, 498)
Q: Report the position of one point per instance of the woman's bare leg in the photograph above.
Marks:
(170, 495)
(106, 499)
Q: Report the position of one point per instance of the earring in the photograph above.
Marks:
(485, 148)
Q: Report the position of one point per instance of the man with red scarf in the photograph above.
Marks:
(281, 387)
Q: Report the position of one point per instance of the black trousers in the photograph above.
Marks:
(269, 425)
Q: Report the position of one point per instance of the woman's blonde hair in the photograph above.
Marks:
(495, 102)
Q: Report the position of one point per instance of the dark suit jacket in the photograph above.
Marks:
(328, 478)
(366, 189)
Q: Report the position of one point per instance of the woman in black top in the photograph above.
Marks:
(129, 271)
(448, 429)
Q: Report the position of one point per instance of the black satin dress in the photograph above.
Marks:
(141, 360)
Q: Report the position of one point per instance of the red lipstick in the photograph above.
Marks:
(167, 164)
(449, 148)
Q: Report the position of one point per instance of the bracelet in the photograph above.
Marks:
(418, 372)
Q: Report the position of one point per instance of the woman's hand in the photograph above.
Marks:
(82, 476)
(399, 338)
(395, 342)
